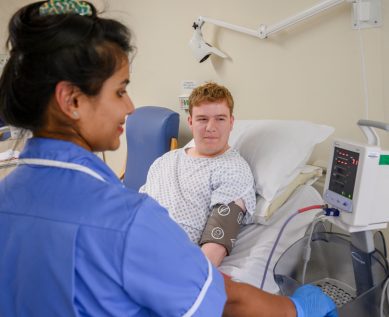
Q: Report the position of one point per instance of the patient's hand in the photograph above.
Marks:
(214, 252)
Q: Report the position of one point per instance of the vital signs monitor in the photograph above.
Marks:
(357, 181)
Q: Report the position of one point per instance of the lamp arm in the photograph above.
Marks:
(264, 31)
(237, 28)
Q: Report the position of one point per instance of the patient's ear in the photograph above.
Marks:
(232, 120)
(66, 98)
(190, 121)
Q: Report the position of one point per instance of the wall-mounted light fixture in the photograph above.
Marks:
(366, 13)
(202, 50)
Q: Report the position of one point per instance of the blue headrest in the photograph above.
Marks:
(149, 131)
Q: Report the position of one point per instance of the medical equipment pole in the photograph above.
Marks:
(362, 248)
(362, 243)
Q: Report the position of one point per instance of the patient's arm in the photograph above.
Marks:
(244, 300)
(216, 252)
(241, 204)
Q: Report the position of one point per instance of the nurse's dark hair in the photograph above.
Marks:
(44, 50)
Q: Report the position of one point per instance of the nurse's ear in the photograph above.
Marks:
(66, 98)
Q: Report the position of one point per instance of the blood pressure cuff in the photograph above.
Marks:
(223, 225)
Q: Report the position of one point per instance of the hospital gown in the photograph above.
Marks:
(188, 187)
(73, 245)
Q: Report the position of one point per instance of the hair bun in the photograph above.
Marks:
(32, 33)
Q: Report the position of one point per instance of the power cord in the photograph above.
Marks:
(307, 250)
(384, 290)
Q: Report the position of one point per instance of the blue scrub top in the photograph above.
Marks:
(73, 245)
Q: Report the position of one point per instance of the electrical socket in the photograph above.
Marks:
(3, 60)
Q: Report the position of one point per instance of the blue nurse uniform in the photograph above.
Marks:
(75, 242)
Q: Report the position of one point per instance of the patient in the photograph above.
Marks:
(208, 188)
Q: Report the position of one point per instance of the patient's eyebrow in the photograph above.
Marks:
(200, 116)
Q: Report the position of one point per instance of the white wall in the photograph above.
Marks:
(312, 71)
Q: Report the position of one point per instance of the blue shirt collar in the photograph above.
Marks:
(65, 151)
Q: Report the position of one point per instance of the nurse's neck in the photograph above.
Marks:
(58, 126)
(70, 136)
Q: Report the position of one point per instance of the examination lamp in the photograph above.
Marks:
(366, 13)
(201, 49)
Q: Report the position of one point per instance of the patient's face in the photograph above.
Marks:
(211, 124)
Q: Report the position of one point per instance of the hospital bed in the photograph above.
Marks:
(10, 147)
(277, 152)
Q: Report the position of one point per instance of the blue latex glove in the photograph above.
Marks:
(310, 301)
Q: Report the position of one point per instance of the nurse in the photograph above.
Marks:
(74, 241)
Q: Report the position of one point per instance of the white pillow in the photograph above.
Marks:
(265, 209)
(276, 150)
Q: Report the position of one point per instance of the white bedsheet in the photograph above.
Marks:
(254, 243)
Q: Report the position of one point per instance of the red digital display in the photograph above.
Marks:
(344, 171)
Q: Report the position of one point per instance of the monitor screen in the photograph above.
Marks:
(344, 172)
